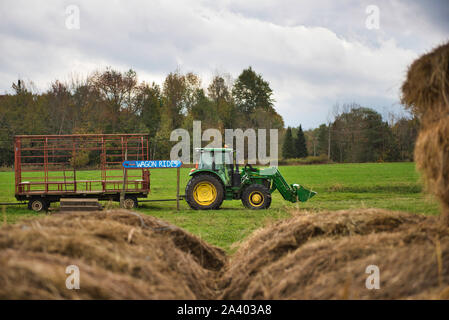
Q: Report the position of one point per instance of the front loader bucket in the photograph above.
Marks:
(303, 193)
(290, 192)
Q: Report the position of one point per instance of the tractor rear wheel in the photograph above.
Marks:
(204, 192)
(256, 197)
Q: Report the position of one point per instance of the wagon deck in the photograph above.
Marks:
(49, 167)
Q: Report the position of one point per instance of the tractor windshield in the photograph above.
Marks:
(205, 161)
(228, 158)
(221, 158)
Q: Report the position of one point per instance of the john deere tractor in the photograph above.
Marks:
(217, 177)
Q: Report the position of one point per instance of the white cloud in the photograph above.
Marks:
(310, 63)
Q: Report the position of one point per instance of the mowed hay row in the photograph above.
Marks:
(154, 259)
(325, 255)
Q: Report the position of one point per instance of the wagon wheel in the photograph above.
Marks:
(38, 205)
(130, 202)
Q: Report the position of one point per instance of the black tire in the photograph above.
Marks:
(130, 202)
(38, 205)
(196, 181)
(256, 197)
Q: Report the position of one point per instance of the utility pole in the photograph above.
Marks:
(125, 175)
(177, 188)
(331, 115)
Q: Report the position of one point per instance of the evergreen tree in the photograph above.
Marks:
(300, 147)
(288, 146)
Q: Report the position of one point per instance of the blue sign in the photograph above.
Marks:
(134, 164)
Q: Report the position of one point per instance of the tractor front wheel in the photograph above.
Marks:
(204, 192)
(256, 196)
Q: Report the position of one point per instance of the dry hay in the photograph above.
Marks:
(432, 159)
(324, 256)
(37, 275)
(120, 255)
(123, 255)
(426, 89)
(426, 93)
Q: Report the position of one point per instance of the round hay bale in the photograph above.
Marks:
(37, 275)
(269, 245)
(426, 89)
(209, 257)
(325, 256)
(426, 93)
(161, 260)
(336, 268)
(432, 159)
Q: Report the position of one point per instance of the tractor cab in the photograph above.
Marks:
(221, 162)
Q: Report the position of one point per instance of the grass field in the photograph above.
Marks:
(394, 186)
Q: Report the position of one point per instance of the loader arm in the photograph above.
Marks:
(292, 192)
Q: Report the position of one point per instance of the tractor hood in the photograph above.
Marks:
(268, 171)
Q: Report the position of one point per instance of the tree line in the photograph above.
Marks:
(110, 101)
(360, 134)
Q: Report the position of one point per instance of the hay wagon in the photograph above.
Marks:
(80, 167)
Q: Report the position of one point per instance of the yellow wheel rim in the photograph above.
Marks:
(256, 199)
(204, 193)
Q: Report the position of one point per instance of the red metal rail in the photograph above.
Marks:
(56, 164)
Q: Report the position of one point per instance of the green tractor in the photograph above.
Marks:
(217, 177)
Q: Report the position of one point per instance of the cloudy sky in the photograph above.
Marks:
(313, 53)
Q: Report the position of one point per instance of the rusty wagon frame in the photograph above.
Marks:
(51, 167)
